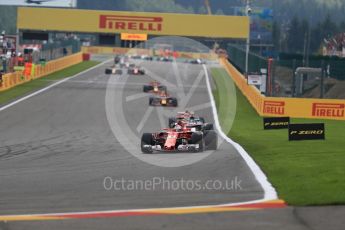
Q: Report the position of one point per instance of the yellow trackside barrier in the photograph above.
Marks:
(13, 79)
(138, 51)
(291, 107)
(250, 92)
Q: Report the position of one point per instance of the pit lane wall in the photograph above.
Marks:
(19, 77)
(291, 107)
(138, 51)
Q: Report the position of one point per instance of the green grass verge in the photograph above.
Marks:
(31, 86)
(304, 173)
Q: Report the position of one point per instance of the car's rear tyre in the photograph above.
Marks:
(147, 88)
(208, 127)
(174, 102)
(198, 138)
(151, 100)
(172, 122)
(162, 88)
(211, 140)
(146, 139)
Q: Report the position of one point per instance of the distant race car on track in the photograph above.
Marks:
(136, 71)
(147, 58)
(188, 119)
(117, 59)
(154, 87)
(163, 99)
(178, 139)
(127, 65)
(197, 61)
(113, 70)
(165, 59)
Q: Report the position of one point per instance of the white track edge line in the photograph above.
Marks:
(269, 191)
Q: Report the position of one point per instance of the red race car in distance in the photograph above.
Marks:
(136, 70)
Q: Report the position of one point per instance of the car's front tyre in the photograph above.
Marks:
(147, 140)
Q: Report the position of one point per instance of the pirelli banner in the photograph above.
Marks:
(304, 108)
(286, 107)
(92, 21)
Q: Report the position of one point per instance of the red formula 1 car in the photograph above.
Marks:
(190, 120)
(173, 140)
(163, 99)
(154, 87)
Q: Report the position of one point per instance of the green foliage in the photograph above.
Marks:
(8, 19)
(136, 5)
(293, 37)
(156, 6)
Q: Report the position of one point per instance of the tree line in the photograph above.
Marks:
(8, 19)
(299, 34)
(313, 20)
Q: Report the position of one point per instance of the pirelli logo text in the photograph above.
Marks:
(134, 23)
(328, 110)
(274, 107)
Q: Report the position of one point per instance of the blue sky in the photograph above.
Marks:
(61, 3)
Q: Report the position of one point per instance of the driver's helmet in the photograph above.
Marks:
(163, 94)
(178, 127)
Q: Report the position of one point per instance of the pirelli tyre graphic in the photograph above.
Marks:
(276, 122)
(300, 132)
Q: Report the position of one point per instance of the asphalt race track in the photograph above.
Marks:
(56, 149)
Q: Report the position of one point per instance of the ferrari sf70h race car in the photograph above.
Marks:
(163, 99)
(174, 140)
(113, 70)
(189, 120)
(136, 71)
(154, 87)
